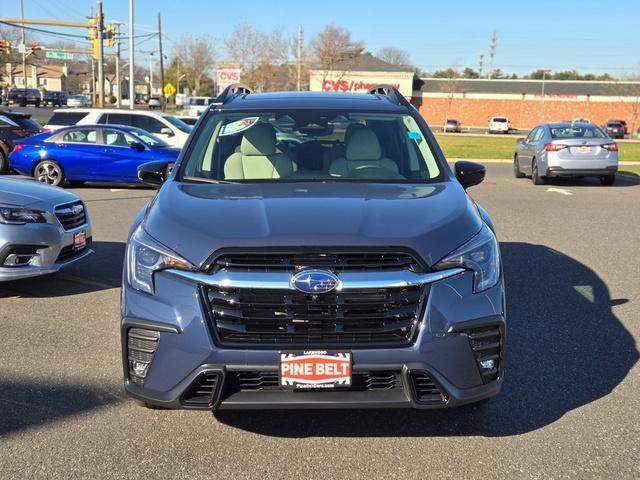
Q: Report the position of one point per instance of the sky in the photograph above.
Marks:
(584, 35)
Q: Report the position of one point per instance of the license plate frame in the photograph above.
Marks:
(315, 370)
(79, 241)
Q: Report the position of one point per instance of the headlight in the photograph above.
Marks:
(20, 216)
(480, 255)
(145, 256)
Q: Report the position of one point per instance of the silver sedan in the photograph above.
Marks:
(42, 229)
(566, 150)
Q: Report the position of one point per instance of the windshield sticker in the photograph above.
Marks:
(415, 136)
(238, 126)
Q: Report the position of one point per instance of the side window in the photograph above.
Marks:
(80, 136)
(147, 123)
(116, 138)
(102, 119)
(538, 135)
(119, 118)
(532, 134)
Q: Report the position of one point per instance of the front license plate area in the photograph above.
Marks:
(79, 240)
(315, 370)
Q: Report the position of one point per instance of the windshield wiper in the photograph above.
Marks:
(206, 180)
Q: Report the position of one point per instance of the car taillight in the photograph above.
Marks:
(20, 132)
(17, 147)
(554, 147)
(612, 147)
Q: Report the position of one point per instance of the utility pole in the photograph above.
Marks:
(299, 56)
(150, 73)
(118, 81)
(24, 45)
(161, 62)
(481, 65)
(99, 36)
(544, 77)
(132, 82)
(492, 53)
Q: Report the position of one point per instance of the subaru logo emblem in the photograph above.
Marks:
(76, 209)
(314, 282)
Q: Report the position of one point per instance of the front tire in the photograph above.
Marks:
(516, 168)
(536, 178)
(4, 163)
(49, 172)
(607, 180)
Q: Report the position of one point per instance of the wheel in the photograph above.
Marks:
(4, 163)
(535, 175)
(49, 172)
(37, 104)
(516, 169)
(607, 180)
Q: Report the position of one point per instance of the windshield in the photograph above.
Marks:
(179, 124)
(310, 145)
(146, 137)
(575, 131)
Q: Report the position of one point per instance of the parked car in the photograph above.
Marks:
(197, 105)
(154, 103)
(42, 229)
(55, 99)
(14, 126)
(566, 150)
(499, 125)
(453, 126)
(581, 120)
(624, 125)
(95, 153)
(614, 129)
(23, 97)
(78, 101)
(368, 280)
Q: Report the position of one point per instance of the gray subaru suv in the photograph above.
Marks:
(312, 250)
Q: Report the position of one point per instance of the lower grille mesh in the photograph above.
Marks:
(202, 392)
(425, 389)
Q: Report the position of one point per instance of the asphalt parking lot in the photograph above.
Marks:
(570, 405)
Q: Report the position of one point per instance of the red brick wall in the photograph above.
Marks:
(523, 114)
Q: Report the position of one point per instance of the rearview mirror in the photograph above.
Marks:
(521, 140)
(153, 173)
(469, 173)
(167, 131)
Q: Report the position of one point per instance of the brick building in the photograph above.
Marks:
(473, 101)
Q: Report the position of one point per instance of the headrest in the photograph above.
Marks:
(259, 140)
(363, 145)
(351, 129)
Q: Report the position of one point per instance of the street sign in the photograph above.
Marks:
(60, 55)
(169, 89)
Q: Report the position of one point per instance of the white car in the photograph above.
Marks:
(78, 101)
(173, 131)
(499, 125)
(197, 105)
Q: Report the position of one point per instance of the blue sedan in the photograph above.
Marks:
(89, 153)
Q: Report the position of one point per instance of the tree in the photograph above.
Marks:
(334, 48)
(395, 56)
(470, 73)
(196, 56)
(448, 73)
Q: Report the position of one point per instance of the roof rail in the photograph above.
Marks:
(231, 91)
(391, 92)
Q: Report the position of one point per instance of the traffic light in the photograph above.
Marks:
(93, 38)
(111, 35)
(33, 47)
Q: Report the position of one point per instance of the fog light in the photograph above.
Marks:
(487, 364)
(139, 368)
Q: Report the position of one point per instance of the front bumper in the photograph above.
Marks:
(186, 353)
(51, 244)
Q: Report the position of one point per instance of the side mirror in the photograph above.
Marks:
(469, 173)
(153, 173)
(136, 146)
(167, 131)
(521, 140)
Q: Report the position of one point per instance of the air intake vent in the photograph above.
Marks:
(141, 345)
(486, 345)
(202, 392)
(425, 389)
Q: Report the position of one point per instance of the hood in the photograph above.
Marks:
(22, 193)
(194, 220)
